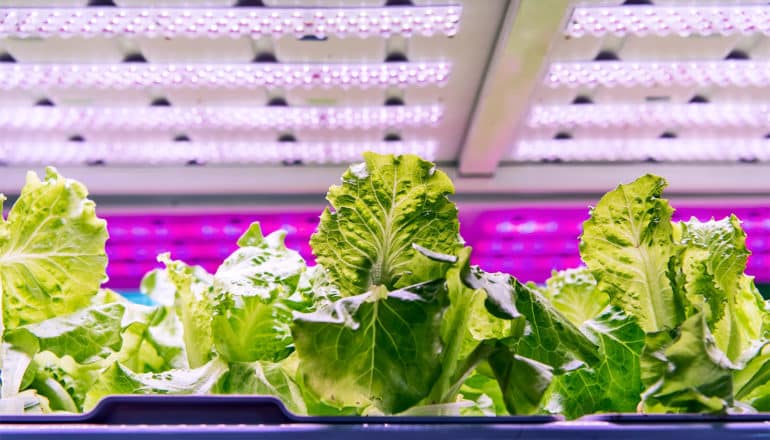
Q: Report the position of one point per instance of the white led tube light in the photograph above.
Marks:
(141, 75)
(656, 73)
(674, 150)
(179, 153)
(230, 22)
(228, 118)
(669, 20)
(649, 115)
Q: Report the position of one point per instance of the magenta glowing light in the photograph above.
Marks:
(229, 22)
(737, 73)
(660, 20)
(227, 118)
(222, 153)
(649, 115)
(228, 76)
(528, 242)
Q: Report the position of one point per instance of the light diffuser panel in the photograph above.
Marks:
(179, 153)
(228, 22)
(685, 20)
(660, 74)
(140, 75)
(649, 115)
(600, 150)
(227, 118)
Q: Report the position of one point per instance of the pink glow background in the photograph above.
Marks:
(527, 242)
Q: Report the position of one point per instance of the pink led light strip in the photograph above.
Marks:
(649, 74)
(527, 241)
(580, 150)
(230, 22)
(669, 20)
(623, 115)
(132, 75)
(177, 153)
(228, 118)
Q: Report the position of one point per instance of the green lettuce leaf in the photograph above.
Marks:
(154, 344)
(482, 389)
(264, 378)
(612, 383)
(684, 371)
(75, 349)
(117, 379)
(713, 261)
(549, 337)
(194, 306)
(251, 320)
(64, 381)
(523, 381)
(627, 244)
(158, 286)
(86, 335)
(152, 335)
(752, 382)
(52, 257)
(574, 294)
(384, 207)
(379, 349)
(475, 315)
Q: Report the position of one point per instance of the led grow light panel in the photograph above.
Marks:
(221, 153)
(230, 76)
(229, 22)
(684, 20)
(721, 73)
(527, 241)
(625, 149)
(651, 115)
(221, 118)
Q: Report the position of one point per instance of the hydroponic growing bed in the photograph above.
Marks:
(265, 417)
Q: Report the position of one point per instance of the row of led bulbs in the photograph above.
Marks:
(229, 22)
(181, 153)
(662, 21)
(214, 23)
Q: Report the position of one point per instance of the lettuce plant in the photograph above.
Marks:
(393, 318)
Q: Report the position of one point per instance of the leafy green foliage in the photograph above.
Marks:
(194, 306)
(264, 378)
(85, 335)
(52, 255)
(523, 381)
(627, 244)
(251, 319)
(384, 207)
(574, 294)
(379, 348)
(482, 389)
(117, 379)
(394, 319)
(686, 371)
(713, 259)
(612, 382)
